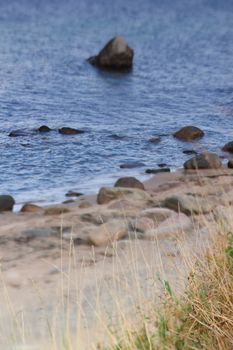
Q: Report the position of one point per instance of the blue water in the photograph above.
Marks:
(183, 74)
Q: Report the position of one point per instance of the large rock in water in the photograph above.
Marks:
(228, 147)
(108, 194)
(130, 182)
(206, 160)
(6, 203)
(189, 133)
(115, 55)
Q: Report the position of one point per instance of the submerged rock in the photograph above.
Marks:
(19, 133)
(116, 54)
(206, 160)
(188, 133)
(130, 182)
(70, 131)
(189, 151)
(6, 203)
(131, 165)
(156, 171)
(155, 140)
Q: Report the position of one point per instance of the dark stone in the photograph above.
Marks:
(118, 137)
(44, 128)
(189, 133)
(18, 133)
(70, 131)
(130, 182)
(116, 55)
(73, 194)
(162, 165)
(155, 140)
(228, 147)
(132, 165)
(189, 151)
(206, 160)
(230, 164)
(6, 203)
(156, 171)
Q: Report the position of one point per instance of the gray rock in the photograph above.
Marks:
(189, 133)
(6, 203)
(206, 160)
(228, 147)
(188, 204)
(108, 194)
(115, 55)
(130, 182)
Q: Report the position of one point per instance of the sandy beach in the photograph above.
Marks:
(83, 262)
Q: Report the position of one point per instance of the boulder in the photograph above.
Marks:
(31, 208)
(157, 214)
(157, 171)
(116, 55)
(56, 211)
(108, 194)
(188, 204)
(130, 182)
(206, 160)
(228, 147)
(176, 224)
(189, 133)
(70, 131)
(108, 233)
(142, 224)
(6, 203)
(44, 128)
(230, 164)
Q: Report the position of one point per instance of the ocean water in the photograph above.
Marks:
(182, 74)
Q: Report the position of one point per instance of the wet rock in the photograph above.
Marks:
(189, 133)
(108, 194)
(142, 224)
(188, 204)
(70, 131)
(177, 224)
(108, 233)
(132, 165)
(228, 147)
(56, 211)
(162, 165)
(73, 194)
(31, 208)
(130, 182)
(44, 128)
(230, 164)
(19, 133)
(119, 137)
(115, 55)
(157, 171)
(189, 151)
(157, 214)
(6, 203)
(155, 140)
(206, 160)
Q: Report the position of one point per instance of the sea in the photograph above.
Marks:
(182, 75)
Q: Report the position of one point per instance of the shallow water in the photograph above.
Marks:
(183, 74)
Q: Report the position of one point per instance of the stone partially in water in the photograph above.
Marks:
(130, 182)
(206, 160)
(189, 133)
(228, 147)
(131, 165)
(6, 203)
(116, 55)
(70, 131)
(44, 128)
(157, 171)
